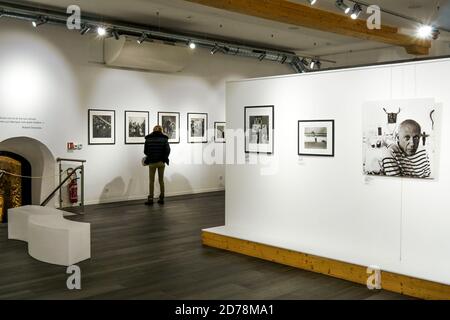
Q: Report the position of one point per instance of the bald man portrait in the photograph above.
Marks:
(403, 158)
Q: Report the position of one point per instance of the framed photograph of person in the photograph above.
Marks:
(197, 127)
(219, 132)
(399, 138)
(316, 138)
(259, 129)
(170, 122)
(136, 126)
(101, 127)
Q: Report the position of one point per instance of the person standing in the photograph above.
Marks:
(157, 150)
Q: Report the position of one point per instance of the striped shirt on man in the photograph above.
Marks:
(396, 163)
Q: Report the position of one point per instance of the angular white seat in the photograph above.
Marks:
(58, 241)
(18, 219)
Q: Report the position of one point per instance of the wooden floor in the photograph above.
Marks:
(141, 252)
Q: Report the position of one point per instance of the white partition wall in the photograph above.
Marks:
(326, 206)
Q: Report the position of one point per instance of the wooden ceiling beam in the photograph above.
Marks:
(309, 17)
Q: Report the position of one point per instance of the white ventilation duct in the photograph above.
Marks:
(154, 56)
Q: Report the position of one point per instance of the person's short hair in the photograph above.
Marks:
(412, 123)
(158, 128)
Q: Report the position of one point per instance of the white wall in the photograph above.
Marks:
(324, 206)
(53, 75)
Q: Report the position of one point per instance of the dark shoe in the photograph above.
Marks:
(149, 202)
(161, 201)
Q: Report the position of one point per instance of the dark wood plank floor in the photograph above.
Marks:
(141, 252)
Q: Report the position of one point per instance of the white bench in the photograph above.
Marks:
(18, 220)
(50, 237)
(58, 241)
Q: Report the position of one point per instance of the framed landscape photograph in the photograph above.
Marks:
(197, 127)
(101, 127)
(219, 132)
(316, 138)
(259, 129)
(136, 126)
(170, 122)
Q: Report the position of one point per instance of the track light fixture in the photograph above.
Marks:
(356, 11)
(2, 13)
(312, 2)
(115, 34)
(215, 49)
(101, 31)
(192, 45)
(262, 56)
(40, 21)
(428, 32)
(283, 60)
(85, 29)
(343, 6)
(142, 38)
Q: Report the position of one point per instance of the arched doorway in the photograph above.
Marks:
(15, 189)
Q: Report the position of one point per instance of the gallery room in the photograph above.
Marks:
(211, 150)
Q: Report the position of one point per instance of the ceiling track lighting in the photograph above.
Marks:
(101, 31)
(2, 13)
(109, 28)
(428, 32)
(312, 2)
(356, 11)
(215, 49)
(85, 29)
(115, 34)
(142, 38)
(39, 21)
(343, 6)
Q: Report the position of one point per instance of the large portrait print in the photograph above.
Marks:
(136, 126)
(259, 129)
(170, 122)
(197, 127)
(101, 126)
(399, 138)
(316, 138)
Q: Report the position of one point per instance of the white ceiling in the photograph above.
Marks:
(188, 17)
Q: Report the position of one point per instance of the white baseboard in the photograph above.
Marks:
(143, 197)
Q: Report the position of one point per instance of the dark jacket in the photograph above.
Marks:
(157, 148)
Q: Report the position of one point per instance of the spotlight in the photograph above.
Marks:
(192, 45)
(2, 13)
(428, 32)
(101, 31)
(312, 65)
(215, 49)
(142, 38)
(356, 11)
(312, 2)
(39, 21)
(283, 60)
(262, 56)
(344, 7)
(115, 34)
(85, 29)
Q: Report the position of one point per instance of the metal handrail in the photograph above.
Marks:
(47, 200)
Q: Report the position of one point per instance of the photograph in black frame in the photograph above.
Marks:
(197, 127)
(219, 132)
(170, 122)
(101, 127)
(316, 138)
(136, 126)
(259, 129)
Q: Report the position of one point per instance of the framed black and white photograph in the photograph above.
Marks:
(136, 126)
(197, 127)
(316, 138)
(101, 126)
(399, 138)
(219, 132)
(170, 122)
(259, 129)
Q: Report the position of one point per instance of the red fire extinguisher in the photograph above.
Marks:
(73, 187)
